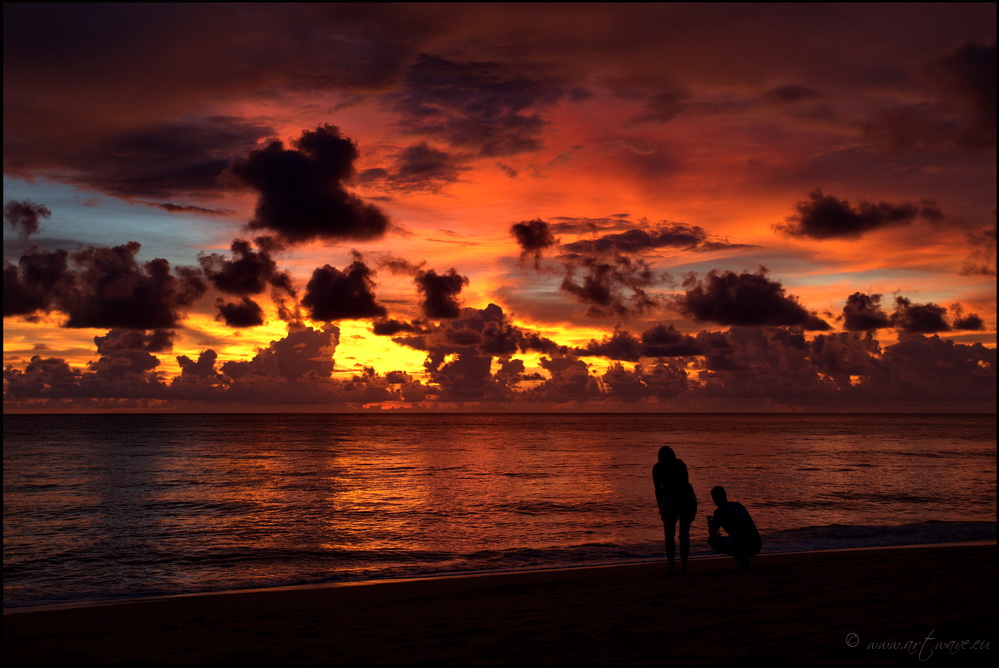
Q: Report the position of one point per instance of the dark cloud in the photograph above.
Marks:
(863, 313)
(662, 381)
(248, 272)
(919, 318)
(203, 368)
(665, 107)
(88, 86)
(460, 353)
(42, 376)
(24, 216)
(305, 353)
(199, 380)
(621, 345)
(671, 104)
(615, 286)
(121, 364)
(570, 381)
(577, 225)
(790, 93)
(244, 313)
(399, 266)
(120, 376)
(826, 217)
(911, 126)
(332, 294)
(467, 376)
(390, 327)
(302, 194)
(106, 288)
(746, 300)
(440, 293)
(186, 208)
(968, 75)
(481, 107)
(161, 161)
(969, 323)
(747, 364)
(932, 369)
(960, 109)
(602, 272)
(487, 331)
(455, 239)
(117, 340)
(418, 168)
(294, 370)
(659, 341)
(845, 356)
(663, 235)
(982, 259)
(113, 290)
(32, 284)
(534, 238)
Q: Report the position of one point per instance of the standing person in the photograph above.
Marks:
(676, 501)
(743, 540)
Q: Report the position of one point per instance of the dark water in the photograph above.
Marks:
(110, 506)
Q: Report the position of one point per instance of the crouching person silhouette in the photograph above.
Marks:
(743, 540)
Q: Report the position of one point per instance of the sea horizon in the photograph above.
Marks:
(298, 410)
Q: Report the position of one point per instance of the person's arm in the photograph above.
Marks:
(723, 519)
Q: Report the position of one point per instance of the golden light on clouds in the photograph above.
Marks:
(371, 178)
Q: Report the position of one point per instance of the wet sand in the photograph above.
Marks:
(789, 609)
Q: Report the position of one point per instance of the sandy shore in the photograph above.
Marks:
(791, 608)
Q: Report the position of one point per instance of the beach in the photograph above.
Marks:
(895, 606)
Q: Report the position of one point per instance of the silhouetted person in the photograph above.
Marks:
(676, 501)
(743, 540)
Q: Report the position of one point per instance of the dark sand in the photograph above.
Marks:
(790, 609)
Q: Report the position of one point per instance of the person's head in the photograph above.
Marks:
(666, 455)
(719, 495)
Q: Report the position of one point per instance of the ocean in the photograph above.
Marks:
(103, 507)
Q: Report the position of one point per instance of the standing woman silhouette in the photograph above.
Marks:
(677, 502)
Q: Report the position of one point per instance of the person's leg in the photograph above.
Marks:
(722, 544)
(669, 533)
(726, 545)
(741, 560)
(689, 511)
(684, 543)
(746, 552)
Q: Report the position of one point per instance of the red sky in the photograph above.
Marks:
(499, 207)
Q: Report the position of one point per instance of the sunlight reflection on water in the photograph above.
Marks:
(140, 504)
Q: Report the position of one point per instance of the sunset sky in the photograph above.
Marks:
(666, 207)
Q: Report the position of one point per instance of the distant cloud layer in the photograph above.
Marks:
(470, 360)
